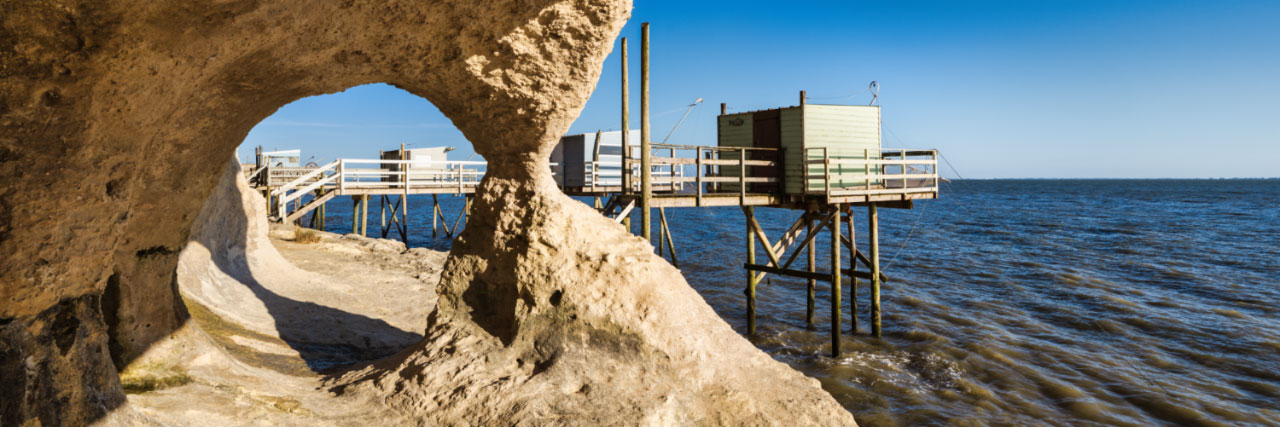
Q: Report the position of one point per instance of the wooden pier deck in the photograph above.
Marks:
(682, 177)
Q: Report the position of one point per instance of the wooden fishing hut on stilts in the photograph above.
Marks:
(820, 160)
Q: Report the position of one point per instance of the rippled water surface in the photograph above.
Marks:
(1118, 302)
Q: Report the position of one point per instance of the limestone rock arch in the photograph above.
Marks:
(116, 117)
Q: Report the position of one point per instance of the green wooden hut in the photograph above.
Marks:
(800, 132)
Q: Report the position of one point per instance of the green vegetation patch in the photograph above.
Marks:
(148, 377)
(306, 236)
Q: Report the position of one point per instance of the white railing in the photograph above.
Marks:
(363, 176)
(602, 174)
(391, 175)
(851, 172)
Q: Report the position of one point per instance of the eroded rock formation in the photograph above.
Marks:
(115, 120)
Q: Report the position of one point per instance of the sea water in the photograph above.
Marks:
(1020, 302)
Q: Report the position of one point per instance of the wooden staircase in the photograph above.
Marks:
(310, 206)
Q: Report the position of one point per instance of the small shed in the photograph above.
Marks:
(282, 158)
(574, 156)
(801, 133)
(425, 164)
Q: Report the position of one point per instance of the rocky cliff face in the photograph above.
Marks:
(115, 120)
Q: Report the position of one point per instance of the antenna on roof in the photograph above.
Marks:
(875, 91)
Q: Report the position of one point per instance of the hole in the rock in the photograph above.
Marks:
(364, 128)
(319, 276)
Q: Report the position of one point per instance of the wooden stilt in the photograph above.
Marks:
(324, 214)
(873, 234)
(404, 201)
(811, 284)
(751, 275)
(853, 279)
(355, 214)
(626, 127)
(835, 283)
(314, 219)
(394, 222)
(435, 213)
(662, 230)
(646, 181)
(458, 221)
(666, 231)
(382, 208)
(364, 215)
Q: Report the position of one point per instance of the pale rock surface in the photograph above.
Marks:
(233, 270)
(116, 117)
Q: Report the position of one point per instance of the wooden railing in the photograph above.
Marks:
(837, 172)
(390, 174)
(707, 170)
(363, 176)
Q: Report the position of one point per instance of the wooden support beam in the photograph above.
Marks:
(812, 283)
(404, 200)
(802, 274)
(754, 226)
(662, 215)
(364, 215)
(646, 181)
(625, 215)
(835, 282)
(626, 126)
(355, 214)
(862, 257)
(751, 279)
(394, 222)
(853, 269)
(698, 176)
(828, 221)
(458, 221)
(873, 233)
(435, 212)
(662, 231)
(791, 235)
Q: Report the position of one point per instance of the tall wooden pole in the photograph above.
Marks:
(835, 282)
(626, 127)
(812, 284)
(646, 184)
(435, 213)
(874, 237)
(751, 275)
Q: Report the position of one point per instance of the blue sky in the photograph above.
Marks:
(1005, 89)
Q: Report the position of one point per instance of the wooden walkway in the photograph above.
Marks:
(682, 176)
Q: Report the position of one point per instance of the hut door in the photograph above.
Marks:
(767, 133)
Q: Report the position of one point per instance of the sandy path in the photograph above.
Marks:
(269, 315)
